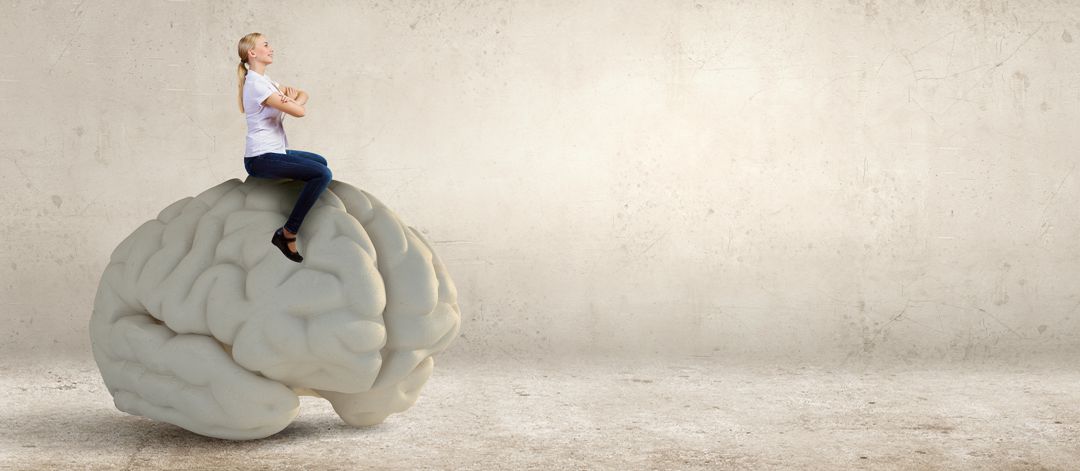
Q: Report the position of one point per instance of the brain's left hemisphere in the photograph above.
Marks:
(199, 321)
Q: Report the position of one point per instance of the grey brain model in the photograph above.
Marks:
(200, 322)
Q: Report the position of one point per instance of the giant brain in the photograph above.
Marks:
(201, 322)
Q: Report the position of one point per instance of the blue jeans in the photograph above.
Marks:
(297, 165)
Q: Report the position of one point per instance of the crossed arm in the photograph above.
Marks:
(291, 100)
(296, 94)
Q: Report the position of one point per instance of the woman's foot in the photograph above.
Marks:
(291, 237)
(286, 242)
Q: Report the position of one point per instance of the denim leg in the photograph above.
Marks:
(247, 164)
(315, 175)
(307, 155)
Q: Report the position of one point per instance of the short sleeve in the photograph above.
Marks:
(255, 91)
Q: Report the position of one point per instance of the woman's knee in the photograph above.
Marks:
(308, 155)
(315, 157)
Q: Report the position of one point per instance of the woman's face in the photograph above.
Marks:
(262, 51)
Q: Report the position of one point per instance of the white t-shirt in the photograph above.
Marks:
(265, 130)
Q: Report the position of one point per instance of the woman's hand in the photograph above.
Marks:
(293, 94)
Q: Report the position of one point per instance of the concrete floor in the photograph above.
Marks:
(689, 413)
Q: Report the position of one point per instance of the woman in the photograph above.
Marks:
(264, 102)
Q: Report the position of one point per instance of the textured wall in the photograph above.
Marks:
(773, 180)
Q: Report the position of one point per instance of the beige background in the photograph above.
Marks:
(833, 181)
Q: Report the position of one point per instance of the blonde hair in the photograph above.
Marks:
(247, 43)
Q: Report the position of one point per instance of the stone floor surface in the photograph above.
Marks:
(599, 413)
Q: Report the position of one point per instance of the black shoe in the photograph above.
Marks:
(282, 243)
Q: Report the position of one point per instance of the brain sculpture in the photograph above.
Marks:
(200, 322)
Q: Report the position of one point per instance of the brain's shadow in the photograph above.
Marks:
(79, 429)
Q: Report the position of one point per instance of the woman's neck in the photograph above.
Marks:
(258, 67)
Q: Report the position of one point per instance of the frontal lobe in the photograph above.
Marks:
(422, 316)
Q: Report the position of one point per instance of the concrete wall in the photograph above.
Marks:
(828, 180)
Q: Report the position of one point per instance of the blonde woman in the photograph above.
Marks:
(265, 103)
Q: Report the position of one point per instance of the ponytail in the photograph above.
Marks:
(241, 73)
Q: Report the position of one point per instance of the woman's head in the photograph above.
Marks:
(254, 50)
